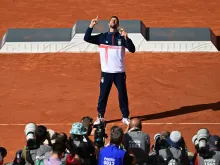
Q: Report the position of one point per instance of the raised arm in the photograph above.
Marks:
(93, 39)
(88, 35)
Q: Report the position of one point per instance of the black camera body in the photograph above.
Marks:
(100, 135)
(32, 144)
(160, 143)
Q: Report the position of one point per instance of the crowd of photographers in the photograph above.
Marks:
(129, 147)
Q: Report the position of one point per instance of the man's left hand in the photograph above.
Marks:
(124, 33)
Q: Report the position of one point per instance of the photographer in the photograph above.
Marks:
(160, 142)
(214, 148)
(137, 141)
(82, 145)
(35, 149)
(3, 153)
(176, 152)
(88, 124)
(99, 135)
(201, 145)
(52, 135)
(57, 154)
(113, 154)
(69, 155)
(207, 148)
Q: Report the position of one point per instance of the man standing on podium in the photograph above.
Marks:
(112, 46)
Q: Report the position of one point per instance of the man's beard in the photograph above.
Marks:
(114, 26)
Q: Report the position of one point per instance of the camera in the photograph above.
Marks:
(202, 137)
(160, 142)
(30, 136)
(202, 140)
(195, 140)
(87, 123)
(157, 137)
(100, 135)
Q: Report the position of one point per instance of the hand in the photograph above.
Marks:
(123, 33)
(127, 128)
(93, 22)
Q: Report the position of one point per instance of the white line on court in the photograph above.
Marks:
(144, 123)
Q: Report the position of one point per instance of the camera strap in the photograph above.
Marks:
(28, 157)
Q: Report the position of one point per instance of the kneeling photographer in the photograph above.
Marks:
(82, 145)
(35, 148)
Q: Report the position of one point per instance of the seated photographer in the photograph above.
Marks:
(113, 154)
(176, 152)
(207, 148)
(82, 145)
(35, 149)
(137, 141)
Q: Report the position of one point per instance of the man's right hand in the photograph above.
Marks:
(93, 22)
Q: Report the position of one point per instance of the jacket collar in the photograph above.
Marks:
(134, 129)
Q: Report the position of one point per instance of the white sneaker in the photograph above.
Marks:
(126, 121)
(99, 120)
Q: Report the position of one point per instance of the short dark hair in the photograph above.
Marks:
(59, 148)
(41, 133)
(61, 137)
(116, 136)
(115, 18)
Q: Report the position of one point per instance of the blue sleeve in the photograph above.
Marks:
(95, 39)
(129, 45)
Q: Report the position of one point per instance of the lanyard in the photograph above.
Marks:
(49, 163)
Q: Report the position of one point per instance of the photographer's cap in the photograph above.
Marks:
(214, 142)
(174, 139)
(78, 129)
(175, 136)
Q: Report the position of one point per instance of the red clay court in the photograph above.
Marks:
(170, 91)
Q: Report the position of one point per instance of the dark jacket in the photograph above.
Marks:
(109, 38)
